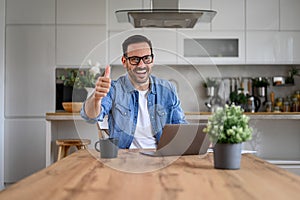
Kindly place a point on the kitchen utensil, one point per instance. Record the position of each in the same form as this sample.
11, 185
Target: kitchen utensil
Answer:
250, 105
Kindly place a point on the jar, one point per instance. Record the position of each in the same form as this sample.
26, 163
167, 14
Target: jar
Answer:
276, 109
286, 106
269, 106
295, 105
279, 103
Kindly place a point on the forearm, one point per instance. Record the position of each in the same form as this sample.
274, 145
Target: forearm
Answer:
92, 107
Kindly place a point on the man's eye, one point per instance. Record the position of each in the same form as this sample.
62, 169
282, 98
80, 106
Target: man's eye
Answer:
135, 59
147, 57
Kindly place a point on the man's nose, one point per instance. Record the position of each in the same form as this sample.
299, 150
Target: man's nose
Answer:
141, 63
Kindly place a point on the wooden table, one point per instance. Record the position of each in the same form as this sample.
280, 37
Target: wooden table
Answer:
83, 175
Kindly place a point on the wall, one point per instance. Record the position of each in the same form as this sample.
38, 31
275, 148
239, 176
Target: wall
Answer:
2, 48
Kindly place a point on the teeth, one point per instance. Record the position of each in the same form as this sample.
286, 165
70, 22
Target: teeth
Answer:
141, 71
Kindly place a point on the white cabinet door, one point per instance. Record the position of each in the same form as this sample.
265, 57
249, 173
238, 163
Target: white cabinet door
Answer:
191, 35
114, 5
289, 15
199, 5
230, 15
164, 44
29, 72
30, 11
24, 148
76, 43
262, 14
273, 47
81, 12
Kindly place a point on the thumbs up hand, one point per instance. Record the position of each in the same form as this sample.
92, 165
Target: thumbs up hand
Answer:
102, 85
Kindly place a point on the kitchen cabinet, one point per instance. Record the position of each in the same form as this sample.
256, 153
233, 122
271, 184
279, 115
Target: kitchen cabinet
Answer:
81, 12
262, 14
30, 12
165, 51
76, 43
24, 148
272, 47
239, 47
289, 15
230, 15
200, 5
114, 5
30, 55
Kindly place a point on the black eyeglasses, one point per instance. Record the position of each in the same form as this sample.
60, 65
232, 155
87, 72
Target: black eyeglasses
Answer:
135, 60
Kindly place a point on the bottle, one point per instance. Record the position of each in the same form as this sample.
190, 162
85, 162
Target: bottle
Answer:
297, 95
272, 98
286, 106
269, 106
295, 105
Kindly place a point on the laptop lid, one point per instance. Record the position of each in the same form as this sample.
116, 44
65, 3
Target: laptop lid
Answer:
182, 139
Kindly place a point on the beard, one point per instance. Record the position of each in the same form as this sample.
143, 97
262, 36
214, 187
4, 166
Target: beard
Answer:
139, 75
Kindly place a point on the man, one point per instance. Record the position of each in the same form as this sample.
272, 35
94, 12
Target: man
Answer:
138, 104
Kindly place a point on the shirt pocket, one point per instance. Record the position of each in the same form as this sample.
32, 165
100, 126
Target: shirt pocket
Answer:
121, 115
161, 118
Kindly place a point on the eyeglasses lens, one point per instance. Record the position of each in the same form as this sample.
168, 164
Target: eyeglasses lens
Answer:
135, 60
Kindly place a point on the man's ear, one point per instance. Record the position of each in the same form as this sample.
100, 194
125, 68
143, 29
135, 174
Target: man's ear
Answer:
123, 60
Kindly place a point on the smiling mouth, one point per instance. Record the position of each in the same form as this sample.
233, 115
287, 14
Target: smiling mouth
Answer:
141, 71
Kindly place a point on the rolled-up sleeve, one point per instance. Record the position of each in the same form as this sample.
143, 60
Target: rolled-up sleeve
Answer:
90, 120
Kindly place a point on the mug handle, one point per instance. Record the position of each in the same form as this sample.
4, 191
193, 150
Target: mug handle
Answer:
96, 146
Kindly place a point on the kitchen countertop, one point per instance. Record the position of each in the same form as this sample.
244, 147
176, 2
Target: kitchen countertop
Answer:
83, 175
189, 115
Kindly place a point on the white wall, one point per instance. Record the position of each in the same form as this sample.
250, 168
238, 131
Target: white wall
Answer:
2, 46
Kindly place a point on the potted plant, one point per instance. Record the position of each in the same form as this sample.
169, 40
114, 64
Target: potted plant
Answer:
78, 82
238, 98
210, 85
292, 72
228, 127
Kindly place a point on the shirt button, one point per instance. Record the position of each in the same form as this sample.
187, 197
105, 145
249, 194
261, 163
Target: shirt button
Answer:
152, 117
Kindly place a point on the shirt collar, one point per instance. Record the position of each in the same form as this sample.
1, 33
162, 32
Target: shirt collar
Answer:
129, 87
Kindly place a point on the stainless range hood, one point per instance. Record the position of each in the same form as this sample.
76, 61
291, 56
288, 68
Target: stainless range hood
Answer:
165, 14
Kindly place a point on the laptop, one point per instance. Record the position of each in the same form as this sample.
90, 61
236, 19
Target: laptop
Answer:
181, 139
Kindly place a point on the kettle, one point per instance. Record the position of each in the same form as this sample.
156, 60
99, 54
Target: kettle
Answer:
253, 104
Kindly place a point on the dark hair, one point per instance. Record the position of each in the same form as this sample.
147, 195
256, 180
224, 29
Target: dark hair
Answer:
135, 39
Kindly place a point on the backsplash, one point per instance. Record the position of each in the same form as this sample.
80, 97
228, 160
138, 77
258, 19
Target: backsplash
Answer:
188, 80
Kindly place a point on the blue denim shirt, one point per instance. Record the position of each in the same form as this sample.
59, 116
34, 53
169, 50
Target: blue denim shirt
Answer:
121, 106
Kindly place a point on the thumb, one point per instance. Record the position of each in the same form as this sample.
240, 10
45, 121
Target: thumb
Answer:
107, 71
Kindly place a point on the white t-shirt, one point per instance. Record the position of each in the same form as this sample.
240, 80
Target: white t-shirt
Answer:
143, 136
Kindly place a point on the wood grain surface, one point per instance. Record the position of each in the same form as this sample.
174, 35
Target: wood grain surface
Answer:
83, 175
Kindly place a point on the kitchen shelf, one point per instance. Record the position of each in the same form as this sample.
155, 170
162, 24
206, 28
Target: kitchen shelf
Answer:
191, 116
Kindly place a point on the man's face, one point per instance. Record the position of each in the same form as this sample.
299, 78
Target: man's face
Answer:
138, 73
